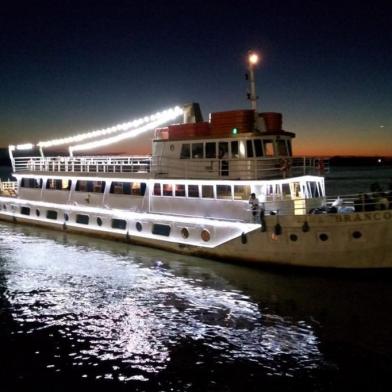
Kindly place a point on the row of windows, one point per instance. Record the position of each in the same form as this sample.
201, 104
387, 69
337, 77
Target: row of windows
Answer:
80, 218
236, 192
122, 188
251, 149
240, 192
120, 224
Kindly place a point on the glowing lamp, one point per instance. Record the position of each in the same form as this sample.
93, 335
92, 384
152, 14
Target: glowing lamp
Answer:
253, 58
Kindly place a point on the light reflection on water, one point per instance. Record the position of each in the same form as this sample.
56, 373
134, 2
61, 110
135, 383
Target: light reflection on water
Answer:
134, 310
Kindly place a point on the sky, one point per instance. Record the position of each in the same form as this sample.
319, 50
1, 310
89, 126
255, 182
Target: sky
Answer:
72, 66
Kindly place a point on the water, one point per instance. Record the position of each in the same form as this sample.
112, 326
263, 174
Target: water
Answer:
78, 312
345, 180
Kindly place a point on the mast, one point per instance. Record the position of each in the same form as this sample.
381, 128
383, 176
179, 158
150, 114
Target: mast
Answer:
253, 59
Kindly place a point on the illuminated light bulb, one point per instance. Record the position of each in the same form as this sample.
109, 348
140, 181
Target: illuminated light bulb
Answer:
253, 58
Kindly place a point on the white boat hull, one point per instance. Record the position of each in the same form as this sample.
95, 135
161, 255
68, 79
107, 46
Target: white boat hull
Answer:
360, 240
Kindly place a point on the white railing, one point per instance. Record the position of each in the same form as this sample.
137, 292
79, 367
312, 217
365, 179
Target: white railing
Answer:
163, 167
95, 164
9, 187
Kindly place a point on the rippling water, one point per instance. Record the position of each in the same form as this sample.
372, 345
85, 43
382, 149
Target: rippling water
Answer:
76, 311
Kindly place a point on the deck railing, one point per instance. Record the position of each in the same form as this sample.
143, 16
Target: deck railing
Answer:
94, 164
9, 187
164, 167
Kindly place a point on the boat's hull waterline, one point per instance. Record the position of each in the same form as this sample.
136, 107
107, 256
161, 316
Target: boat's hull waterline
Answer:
359, 240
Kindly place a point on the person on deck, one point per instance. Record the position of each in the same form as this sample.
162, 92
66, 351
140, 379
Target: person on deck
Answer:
254, 206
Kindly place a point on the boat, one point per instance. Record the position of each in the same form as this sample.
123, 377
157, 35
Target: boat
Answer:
228, 188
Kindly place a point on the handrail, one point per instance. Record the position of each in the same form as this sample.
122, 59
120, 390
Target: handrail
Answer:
94, 164
234, 168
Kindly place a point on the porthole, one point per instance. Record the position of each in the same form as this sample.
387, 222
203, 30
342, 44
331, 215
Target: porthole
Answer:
139, 226
184, 232
293, 237
172, 147
205, 235
323, 237
66, 217
99, 221
37, 212
357, 235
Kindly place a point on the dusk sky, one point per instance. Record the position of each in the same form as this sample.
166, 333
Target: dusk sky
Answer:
68, 67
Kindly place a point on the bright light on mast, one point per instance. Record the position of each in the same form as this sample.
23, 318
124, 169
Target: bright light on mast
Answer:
253, 58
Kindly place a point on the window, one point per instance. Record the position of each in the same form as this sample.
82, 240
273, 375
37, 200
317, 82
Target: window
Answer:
268, 148
211, 150
197, 150
314, 189
120, 224
81, 186
52, 184
193, 190
25, 210
241, 192
82, 219
281, 145
207, 191
120, 188
64, 185
234, 149
180, 190
223, 192
258, 148
249, 148
185, 151
223, 150
167, 190
157, 189
161, 229
286, 190
138, 188
98, 186
90, 186
50, 214
31, 183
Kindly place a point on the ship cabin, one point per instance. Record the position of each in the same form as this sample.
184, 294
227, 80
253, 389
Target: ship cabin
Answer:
233, 145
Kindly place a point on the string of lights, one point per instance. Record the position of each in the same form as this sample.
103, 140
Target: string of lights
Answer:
163, 117
159, 117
